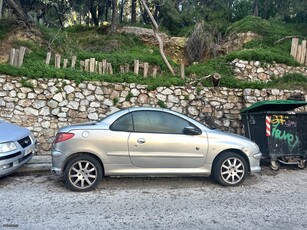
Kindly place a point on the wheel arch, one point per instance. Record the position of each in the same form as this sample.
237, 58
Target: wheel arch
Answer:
80, 154
242, 154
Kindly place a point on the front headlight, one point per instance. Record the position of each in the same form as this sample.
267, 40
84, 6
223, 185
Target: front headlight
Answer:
7, 146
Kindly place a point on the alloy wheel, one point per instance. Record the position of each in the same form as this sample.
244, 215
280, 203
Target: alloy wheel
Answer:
232, 170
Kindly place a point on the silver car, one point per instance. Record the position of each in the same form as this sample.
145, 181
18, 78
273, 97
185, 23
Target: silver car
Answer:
17, 146
150, 142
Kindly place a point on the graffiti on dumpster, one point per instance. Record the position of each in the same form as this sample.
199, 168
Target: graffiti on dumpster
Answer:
281, 131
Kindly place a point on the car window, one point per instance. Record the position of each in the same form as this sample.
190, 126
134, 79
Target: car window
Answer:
158, 122
124, 123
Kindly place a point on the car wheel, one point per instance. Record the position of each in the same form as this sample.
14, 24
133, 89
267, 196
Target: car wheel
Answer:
230, 169
83, 173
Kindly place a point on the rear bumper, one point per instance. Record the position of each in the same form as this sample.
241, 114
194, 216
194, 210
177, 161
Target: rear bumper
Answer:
56, 162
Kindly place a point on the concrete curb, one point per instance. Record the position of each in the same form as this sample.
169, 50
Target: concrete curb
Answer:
37, 165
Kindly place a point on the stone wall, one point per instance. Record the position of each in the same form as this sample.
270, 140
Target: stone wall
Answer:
256, 71
48, 104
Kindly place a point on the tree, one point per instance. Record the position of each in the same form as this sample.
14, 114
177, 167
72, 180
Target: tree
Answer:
133, 11
114, 16
15, 5
93, 9
155, 28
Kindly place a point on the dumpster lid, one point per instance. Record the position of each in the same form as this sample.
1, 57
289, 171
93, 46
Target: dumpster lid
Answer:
274, 105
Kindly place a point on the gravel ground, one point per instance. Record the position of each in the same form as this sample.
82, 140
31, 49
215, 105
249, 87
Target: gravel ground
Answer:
268, 200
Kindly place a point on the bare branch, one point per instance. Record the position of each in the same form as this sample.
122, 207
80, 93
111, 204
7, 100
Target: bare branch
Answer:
156, 33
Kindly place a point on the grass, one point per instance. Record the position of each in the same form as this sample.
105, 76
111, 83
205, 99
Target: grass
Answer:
90, 42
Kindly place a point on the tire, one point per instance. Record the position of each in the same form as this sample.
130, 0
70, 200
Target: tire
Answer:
83, 173
230, 169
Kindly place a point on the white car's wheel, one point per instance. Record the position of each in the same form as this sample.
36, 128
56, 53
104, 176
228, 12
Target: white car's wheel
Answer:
230, 169
83, 173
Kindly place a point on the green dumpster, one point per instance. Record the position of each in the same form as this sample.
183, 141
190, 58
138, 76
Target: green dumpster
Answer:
280, 133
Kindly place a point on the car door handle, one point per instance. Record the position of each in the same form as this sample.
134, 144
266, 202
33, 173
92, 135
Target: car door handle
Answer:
141, 141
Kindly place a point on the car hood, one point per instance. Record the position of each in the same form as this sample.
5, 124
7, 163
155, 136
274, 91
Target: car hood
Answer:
11, 132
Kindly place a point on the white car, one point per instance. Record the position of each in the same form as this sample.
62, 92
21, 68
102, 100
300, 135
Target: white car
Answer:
17, 146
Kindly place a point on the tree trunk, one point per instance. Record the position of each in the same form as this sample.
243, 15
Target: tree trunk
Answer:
93, 13
255, 8
107, 10
59, 16
122, 3
1, 5
19, 12
133, 11
114, 16
155, 28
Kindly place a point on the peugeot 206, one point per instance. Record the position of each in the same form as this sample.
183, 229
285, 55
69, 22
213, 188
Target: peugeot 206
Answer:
150, 142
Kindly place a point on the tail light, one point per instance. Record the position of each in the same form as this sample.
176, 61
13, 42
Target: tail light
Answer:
60, 137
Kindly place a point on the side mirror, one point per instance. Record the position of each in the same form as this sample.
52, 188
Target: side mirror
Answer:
191, 131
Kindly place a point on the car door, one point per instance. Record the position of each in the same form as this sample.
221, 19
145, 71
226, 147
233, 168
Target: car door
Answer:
158, 141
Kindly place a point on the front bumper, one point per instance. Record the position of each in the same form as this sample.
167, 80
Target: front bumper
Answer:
255, 163
13, 161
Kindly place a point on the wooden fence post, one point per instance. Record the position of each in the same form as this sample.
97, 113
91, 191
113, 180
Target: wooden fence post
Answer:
136, 67
122, 69
127, 68
92, 65
303, 52
73, 61
22, 52
145, 73
294, 47
57, 61
109, 67
86, 65
100, 67
65, 62
12, 56
82, 64
96, 66
299, 53
104, 66
48, 58
16, 57
182, 71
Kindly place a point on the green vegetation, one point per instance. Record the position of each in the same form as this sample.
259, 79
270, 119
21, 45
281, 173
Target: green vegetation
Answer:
4, 28
92, 42
263, 55
129, 96
115, 101
290, 81
162, 104
26, 83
